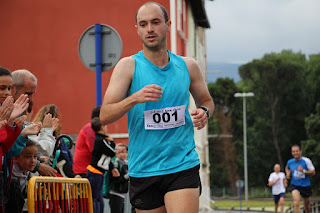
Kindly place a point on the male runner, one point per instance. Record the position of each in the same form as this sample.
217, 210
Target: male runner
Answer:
299, 169
153, 87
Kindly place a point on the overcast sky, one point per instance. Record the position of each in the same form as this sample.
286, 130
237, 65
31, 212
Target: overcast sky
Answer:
243, 30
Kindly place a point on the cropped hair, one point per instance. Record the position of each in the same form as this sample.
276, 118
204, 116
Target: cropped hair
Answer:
165, 13
95, 112
96, 124
18, 77
122, 145
296, 146
30, 143
4, 72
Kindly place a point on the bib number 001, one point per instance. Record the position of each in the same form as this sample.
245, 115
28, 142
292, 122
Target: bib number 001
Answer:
157, 118
166, 118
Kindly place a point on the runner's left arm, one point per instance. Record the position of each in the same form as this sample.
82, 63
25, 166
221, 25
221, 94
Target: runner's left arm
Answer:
200, 94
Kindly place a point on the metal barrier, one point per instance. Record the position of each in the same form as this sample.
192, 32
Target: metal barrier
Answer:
314, 207
56, 194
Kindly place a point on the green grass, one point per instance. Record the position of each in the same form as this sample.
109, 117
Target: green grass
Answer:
227, 204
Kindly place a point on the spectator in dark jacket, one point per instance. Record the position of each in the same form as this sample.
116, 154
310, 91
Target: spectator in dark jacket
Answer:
103, 151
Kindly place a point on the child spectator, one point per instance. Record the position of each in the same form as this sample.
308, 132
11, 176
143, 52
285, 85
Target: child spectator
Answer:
119, 185
22, 165
51, 129
49, 115
103, 151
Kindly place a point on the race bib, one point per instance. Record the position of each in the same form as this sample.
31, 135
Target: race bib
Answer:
166, 118
299, 175
104, 162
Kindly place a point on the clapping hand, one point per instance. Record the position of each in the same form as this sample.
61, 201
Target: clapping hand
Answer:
20, 120
55, 124
47, 121
5, 111
19, 106
50, 122
32, 129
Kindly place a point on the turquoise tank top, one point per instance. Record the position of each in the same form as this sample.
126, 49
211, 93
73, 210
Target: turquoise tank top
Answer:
168, 147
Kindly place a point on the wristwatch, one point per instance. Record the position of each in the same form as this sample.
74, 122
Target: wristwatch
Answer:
206, 110
304, 171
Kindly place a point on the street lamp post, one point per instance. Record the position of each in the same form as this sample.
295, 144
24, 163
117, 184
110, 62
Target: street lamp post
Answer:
244, 95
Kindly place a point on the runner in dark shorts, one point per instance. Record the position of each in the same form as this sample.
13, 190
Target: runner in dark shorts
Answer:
305, 192
276, 198
148, 192
299, 169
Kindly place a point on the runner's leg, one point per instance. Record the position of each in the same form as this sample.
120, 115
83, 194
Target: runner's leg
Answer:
182, 201
281, 204
296, 200
306, 202
275, 207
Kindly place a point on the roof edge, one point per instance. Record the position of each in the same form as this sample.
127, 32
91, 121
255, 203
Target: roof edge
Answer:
199, 13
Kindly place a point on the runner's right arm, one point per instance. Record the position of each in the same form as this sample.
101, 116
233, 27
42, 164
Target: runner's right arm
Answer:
116, 103
288, 173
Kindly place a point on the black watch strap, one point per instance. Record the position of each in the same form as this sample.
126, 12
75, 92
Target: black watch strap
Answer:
205, 109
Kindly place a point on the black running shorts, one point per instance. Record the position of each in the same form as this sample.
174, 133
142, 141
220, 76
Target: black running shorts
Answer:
148, 192
305, 192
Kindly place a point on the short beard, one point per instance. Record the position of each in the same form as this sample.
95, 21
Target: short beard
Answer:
155, 47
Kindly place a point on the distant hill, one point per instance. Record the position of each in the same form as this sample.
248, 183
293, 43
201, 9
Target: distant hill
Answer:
222, 70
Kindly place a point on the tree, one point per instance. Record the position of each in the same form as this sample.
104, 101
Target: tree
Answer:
287, 89
276, 80
311, 147
313, 81
223, 149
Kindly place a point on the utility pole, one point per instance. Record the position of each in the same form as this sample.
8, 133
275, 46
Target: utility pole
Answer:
244, 95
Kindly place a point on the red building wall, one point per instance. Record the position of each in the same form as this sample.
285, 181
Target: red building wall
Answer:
182, 27
43, 36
